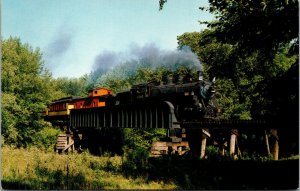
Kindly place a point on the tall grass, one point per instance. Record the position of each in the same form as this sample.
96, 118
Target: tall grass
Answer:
36, 169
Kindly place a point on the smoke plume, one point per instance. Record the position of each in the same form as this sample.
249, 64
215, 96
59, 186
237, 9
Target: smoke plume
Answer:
57, 48
110, 64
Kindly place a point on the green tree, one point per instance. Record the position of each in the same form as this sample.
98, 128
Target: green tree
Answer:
255, 25
267, 29
72, 86
25, 91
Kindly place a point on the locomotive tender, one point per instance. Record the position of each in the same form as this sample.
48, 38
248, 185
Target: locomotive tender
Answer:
148, 105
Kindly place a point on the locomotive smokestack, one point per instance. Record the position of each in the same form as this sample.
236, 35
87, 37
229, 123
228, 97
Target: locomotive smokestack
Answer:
200, 75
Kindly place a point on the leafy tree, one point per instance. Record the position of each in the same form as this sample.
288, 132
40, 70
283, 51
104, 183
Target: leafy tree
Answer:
72, 86
161, 4
10, 112
255, 25
25, 91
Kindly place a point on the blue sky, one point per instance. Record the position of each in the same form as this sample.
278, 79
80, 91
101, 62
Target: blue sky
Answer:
71, 33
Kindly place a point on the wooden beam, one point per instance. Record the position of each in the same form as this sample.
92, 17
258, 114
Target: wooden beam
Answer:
232, 145
275, 144
267, 143
203, 142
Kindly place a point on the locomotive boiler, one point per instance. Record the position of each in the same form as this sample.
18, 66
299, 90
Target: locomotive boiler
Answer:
192, 100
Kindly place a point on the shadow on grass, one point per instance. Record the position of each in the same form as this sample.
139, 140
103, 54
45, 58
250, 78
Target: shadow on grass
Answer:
193, 173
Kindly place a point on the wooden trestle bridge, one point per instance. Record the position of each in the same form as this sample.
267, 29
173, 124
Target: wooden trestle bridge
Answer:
224, 134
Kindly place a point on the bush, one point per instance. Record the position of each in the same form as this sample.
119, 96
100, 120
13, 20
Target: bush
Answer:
46, 138
136, 160
137, 145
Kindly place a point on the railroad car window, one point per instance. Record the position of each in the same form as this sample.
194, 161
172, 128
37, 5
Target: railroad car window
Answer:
96, 92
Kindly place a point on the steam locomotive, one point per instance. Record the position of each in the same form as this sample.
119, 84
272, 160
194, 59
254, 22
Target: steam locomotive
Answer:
148, 105
192, 99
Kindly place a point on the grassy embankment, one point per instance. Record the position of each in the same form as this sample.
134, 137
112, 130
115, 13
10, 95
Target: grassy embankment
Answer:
36, 169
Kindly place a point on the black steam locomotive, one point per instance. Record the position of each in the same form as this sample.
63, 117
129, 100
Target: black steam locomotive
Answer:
192, 99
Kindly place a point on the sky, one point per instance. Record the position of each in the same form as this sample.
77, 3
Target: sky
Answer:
71, 34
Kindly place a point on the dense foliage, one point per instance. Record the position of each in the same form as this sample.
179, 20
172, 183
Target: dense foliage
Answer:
255, 25
26, 89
